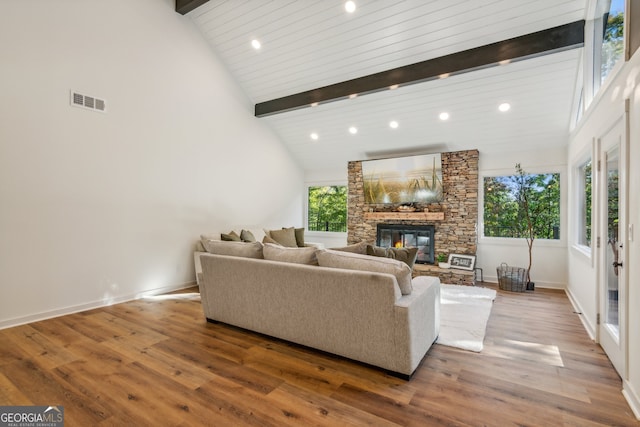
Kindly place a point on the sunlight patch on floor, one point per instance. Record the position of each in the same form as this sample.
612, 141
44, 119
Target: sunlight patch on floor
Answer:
194, 296
521, 350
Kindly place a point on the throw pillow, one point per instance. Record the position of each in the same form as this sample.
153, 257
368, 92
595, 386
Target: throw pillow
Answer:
299, 233
294, 255
230, 237
267, 239
247, 236
377, 251
239, 249
406, 255
286, 237
353, 261
357, 248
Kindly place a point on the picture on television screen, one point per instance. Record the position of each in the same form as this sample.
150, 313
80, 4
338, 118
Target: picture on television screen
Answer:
403, 180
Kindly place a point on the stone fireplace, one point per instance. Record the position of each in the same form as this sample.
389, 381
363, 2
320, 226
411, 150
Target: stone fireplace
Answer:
454, 219
408, 236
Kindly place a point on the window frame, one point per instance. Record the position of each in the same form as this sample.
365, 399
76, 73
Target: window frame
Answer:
307, 185
599, 85
581, 204
517, 241
578, 192
591, 89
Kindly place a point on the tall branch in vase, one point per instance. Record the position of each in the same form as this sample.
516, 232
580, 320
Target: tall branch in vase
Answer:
524, 187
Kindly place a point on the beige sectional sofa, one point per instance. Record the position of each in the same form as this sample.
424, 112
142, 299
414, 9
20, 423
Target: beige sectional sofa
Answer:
334, 307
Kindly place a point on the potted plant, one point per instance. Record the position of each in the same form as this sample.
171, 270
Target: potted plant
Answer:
442, 261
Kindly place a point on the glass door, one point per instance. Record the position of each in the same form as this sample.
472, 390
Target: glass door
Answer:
612, 249
612, 252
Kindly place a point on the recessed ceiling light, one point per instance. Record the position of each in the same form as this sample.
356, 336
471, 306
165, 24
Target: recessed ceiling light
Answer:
393, 87
314, 104
444, 76
393, 124
504, 62
350, 6
256, 44
353, 130
314, 136
444, 116
504, 107
353, 95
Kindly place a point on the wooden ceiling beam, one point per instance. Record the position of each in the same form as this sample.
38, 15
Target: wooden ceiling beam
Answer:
557, 39
185, 6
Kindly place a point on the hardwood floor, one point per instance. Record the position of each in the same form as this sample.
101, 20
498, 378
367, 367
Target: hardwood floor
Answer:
156, 361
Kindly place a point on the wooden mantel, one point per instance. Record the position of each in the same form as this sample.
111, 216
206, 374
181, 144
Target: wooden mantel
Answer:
407, 216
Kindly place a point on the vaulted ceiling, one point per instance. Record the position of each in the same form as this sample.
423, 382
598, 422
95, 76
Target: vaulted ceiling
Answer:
307, 45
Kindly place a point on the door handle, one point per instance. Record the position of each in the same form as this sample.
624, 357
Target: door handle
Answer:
617, 264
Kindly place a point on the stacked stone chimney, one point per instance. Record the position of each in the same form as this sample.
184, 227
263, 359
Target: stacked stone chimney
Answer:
457, 233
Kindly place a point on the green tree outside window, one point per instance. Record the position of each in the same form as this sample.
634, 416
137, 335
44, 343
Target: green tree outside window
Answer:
584, 238
503, 213
327, 208
613, 38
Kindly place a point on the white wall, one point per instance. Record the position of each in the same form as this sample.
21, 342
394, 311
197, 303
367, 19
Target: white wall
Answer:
98, 208
632, 384
606, 109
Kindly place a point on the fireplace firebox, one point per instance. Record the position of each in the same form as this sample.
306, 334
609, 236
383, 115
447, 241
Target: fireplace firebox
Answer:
408, 236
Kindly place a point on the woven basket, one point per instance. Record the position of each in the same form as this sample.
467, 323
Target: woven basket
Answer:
512, 278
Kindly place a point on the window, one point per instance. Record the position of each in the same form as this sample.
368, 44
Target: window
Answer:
584, 203
327, 208
504, 201
608, 39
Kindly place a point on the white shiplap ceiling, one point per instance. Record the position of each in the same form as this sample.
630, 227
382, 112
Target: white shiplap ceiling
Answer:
308, 44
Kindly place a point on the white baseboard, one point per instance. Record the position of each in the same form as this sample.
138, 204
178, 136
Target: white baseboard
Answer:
633, 398
89, 306
539, 284
590, 328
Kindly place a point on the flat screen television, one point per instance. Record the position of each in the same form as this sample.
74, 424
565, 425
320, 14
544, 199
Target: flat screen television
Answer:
403, 180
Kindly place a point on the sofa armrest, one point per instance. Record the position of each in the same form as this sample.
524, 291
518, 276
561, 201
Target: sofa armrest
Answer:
197, 265
418, 317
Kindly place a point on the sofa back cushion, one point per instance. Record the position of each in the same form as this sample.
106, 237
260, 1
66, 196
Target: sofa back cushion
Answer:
240, 249
276, 252
354, 261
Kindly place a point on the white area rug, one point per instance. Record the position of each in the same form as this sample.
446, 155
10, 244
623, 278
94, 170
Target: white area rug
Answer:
464, 312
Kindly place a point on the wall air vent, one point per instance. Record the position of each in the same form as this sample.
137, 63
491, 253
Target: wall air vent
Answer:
88, 102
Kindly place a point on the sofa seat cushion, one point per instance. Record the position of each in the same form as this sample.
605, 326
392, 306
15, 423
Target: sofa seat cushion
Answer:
354, 261
230, 248
276, 252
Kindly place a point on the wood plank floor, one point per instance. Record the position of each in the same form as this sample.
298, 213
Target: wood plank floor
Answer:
156, 361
